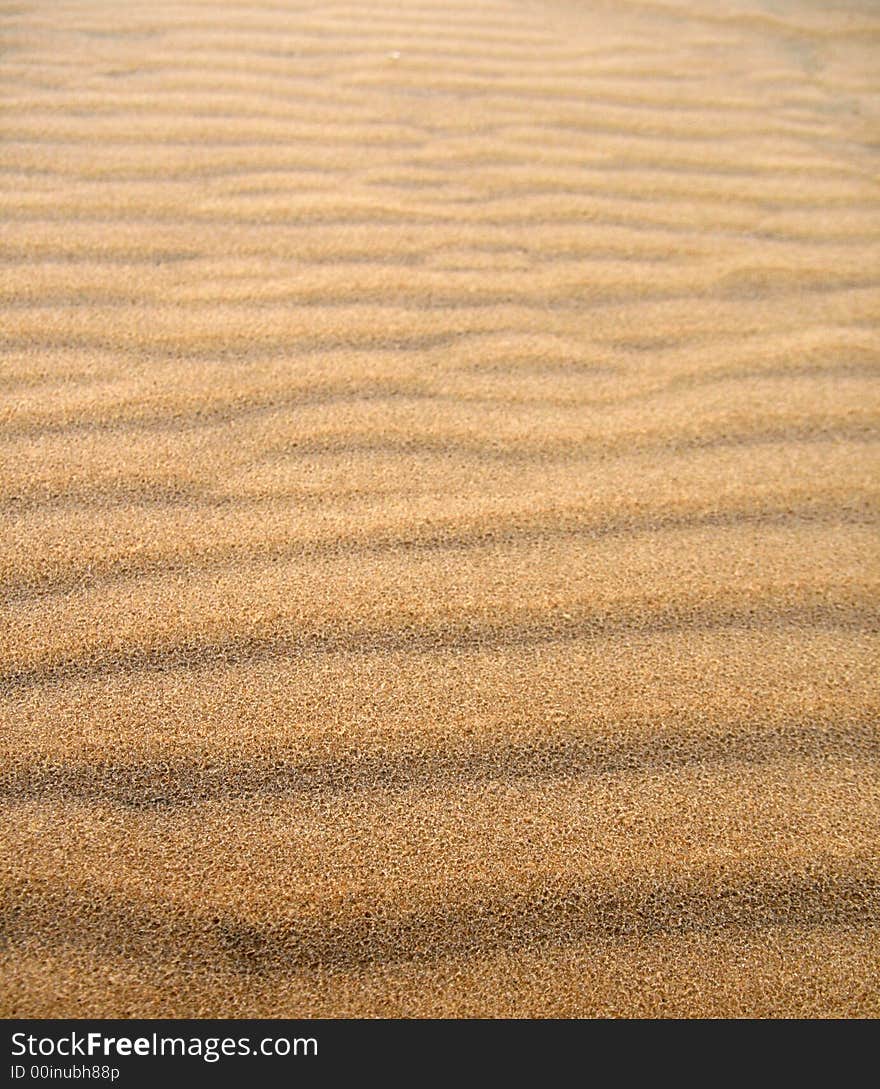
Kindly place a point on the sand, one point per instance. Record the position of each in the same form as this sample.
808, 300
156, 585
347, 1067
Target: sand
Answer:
439, 508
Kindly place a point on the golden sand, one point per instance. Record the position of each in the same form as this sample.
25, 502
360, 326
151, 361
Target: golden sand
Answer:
439, 490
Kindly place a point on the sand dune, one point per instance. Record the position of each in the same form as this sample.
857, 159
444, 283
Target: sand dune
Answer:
440, 489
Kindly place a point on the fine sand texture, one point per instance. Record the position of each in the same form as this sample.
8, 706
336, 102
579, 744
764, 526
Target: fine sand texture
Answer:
439, 508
